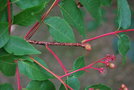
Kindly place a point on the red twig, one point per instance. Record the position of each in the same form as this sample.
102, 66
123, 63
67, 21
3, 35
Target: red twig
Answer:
18, 79
55, 75
107, 34
9, 15
57, 58
107, 59
37, 25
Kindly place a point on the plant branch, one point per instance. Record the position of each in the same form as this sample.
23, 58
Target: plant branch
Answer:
107, 59
56, 43
9, 15
107, 34
55, 75
18, 79
57, 58
30, 33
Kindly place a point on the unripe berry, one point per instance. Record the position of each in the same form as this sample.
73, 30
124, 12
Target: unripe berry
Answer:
87, 47
111, 65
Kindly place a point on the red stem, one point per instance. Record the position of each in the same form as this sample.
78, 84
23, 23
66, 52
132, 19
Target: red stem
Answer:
18, 79
57, 58
83, 68
107, 34
30, 33
9, 16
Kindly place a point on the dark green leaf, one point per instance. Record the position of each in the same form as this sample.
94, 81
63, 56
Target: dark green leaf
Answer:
3, 4
124, 14
60, 30
73, 15
93, 6
3, 53
41, 85
130, 53
123, 45
3, 15
73, 82
28, 16
106, 2
24, 4
19, 46
3, 11
4, 34
7, 65
33, 71
78, 63
6, 86
98, 86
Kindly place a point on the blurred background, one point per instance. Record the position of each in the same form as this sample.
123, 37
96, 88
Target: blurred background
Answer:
100, 47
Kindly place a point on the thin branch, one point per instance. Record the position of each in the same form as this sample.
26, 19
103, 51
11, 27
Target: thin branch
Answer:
57, 58
30, 33
55, 75
107, 59
81, 69
9, 15
56, 43
107, 34
18, 79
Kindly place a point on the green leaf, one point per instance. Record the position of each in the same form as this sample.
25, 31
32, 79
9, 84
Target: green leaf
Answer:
98, 86
6, 86
124, 14
24, 4
130, 53
78, 63
3, 4
73, 82
3, 11
41, 85
93, 6
106, 2
4, 34
60, 29
123, 45
33, 71
19, 46
28, 16
7, 65
3, 53
73, 15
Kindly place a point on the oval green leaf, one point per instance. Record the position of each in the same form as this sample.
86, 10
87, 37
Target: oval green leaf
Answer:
40, 85
33, 71
28, 16
123, 45
73, 15
60, 29
19, 46
124, 14
93, 6
73, 82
